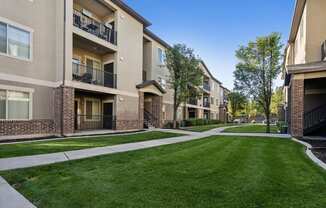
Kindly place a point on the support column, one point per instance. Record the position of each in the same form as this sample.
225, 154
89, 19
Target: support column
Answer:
157, 104
64, 110
141, 110
297, 107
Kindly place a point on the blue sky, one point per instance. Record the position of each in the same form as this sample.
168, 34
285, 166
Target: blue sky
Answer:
216, 28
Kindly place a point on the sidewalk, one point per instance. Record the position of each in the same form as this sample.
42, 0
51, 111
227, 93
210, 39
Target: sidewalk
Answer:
45, 159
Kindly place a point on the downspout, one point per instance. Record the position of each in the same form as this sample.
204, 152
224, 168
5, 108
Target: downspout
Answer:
64, 66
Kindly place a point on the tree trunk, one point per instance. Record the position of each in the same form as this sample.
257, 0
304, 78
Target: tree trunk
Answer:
175, 109
268, 128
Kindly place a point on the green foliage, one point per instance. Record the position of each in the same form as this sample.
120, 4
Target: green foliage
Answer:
237, 102
220, 171
184, 71
200, 122
277, 100
259, 65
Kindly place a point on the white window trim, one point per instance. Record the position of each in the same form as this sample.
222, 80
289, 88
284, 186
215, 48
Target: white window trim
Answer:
159, 58
100, 110
23, 27
30, 91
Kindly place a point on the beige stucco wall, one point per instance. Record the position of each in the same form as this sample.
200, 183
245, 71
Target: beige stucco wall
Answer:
310, 35
45, 18
300, 41
130, 52
316, 29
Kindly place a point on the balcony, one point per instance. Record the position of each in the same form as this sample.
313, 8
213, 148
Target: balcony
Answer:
206, 104
90, 75
192, 101
206, 86
94, 27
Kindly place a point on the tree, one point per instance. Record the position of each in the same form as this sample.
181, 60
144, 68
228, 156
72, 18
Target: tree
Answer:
184, 74
259, 65
237, 102
277, 99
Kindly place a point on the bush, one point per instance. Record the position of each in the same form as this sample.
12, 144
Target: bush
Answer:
200, 122
282, 127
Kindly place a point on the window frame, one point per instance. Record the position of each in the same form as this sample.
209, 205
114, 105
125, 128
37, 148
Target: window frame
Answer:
161, 56
8, 23
99, 105
30, 102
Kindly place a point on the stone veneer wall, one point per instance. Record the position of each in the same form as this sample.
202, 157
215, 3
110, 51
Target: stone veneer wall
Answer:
28, 127
297, 107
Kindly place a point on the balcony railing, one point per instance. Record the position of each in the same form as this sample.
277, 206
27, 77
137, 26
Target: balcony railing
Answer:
100, 121
206, 104
192, 101
94, 27
206, 86
90, 75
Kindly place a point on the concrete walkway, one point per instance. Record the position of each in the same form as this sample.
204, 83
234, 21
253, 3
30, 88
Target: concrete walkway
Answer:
10, 198
45, 159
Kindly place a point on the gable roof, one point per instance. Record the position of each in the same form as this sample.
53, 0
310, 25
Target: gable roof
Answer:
151, 82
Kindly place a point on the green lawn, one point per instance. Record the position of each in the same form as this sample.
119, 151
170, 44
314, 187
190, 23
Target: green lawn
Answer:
34, 148
206, 127
251, 129
215, 172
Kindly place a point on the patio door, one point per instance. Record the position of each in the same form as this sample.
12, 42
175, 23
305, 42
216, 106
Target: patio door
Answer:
109, 75
93, 67
108, 115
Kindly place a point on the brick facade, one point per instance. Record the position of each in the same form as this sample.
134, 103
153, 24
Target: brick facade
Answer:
64, 110
297, 107
28, 127
127, 124
157, 102
141, 110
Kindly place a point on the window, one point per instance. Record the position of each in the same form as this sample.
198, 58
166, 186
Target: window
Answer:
15, 42
212, 100
93, 110
161, 56
162, 82
15, 105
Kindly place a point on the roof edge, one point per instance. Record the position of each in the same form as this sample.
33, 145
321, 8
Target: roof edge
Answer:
151, 82
132, 12
210, 74
157, 38
296, 19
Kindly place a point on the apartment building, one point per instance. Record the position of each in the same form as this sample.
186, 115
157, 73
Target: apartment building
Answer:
305, 70
84, 65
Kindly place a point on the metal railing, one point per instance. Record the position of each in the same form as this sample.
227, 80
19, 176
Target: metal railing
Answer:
192, 101
206, 86
94, 27
315, 117
88, 122
90, 75
206, 104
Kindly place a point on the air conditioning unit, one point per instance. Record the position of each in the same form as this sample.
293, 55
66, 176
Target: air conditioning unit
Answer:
323, 51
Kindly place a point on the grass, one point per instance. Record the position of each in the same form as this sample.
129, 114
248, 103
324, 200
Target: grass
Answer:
206, 127
251, 129
214, 172
34, 148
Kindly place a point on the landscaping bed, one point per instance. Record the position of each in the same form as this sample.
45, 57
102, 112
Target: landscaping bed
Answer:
219, 171
42, 147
